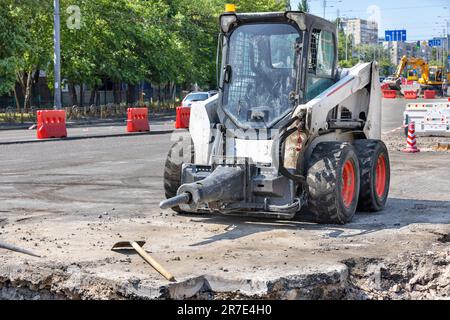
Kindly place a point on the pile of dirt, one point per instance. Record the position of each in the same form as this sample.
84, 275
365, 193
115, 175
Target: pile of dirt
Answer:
415, 276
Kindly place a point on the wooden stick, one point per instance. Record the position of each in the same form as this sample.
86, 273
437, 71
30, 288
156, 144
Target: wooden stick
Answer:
153, 262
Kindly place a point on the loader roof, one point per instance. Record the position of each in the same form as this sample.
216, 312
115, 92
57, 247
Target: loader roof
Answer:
311, 21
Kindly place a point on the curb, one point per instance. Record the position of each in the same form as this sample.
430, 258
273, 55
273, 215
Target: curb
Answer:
151, 133
78, 125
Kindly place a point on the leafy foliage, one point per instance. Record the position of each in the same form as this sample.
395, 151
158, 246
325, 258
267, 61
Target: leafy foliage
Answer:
160, 41
303, 6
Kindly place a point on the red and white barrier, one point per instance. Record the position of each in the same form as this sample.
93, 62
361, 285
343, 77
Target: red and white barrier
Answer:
411, 140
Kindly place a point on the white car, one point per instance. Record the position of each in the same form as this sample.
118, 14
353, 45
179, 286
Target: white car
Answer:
196, 96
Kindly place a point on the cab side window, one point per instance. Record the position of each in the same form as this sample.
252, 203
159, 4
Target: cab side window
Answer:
321, 62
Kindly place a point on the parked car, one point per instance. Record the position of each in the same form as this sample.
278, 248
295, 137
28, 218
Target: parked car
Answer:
197, 96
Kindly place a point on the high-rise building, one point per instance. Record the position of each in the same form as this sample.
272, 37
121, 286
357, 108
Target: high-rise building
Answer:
363, 32
418, 49
398, 49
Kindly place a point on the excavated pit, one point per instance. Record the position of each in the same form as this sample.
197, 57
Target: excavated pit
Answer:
409, 276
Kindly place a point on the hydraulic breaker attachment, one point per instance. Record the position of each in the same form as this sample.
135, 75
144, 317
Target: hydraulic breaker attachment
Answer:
224, 184
184, 198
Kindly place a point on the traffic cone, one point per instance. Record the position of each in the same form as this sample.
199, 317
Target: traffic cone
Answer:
411, 140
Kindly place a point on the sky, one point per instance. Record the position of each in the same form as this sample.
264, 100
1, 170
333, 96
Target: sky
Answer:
423, 19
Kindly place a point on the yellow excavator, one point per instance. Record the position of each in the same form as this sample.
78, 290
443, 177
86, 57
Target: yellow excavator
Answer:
431, 77
416, 63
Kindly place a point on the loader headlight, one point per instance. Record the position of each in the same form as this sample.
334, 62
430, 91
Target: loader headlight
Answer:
227, 21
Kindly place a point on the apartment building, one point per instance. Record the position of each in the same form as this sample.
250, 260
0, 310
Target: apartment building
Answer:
362, 32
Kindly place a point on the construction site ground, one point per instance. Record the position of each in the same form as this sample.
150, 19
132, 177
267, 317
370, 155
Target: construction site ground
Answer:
70, 201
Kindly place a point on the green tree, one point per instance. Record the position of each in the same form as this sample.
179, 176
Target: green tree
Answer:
126, 41
31, 38
346, 50
303, 6
258, 5
13, 41
386, 67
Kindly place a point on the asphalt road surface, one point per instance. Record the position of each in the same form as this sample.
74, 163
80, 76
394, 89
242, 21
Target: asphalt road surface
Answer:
70, 201
81, 132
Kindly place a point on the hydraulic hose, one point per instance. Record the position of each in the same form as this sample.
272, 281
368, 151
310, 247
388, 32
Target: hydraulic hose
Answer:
290, 208
283, 171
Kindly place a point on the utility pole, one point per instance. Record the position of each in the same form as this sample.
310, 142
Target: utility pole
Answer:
338, 22
447, 35
57, 55
444, 56
346, 46
324, 8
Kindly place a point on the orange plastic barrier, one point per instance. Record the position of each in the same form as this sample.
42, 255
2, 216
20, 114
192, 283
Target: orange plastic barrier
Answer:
411, 95
429, 94
51, 124
183, 117
138, 120
389, 94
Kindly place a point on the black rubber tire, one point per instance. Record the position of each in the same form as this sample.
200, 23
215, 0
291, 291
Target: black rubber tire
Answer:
369, 151
181, 152
325, 183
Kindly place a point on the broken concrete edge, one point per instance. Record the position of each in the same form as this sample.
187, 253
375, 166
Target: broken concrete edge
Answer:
103, 136
313, 284
70, 282
407, 276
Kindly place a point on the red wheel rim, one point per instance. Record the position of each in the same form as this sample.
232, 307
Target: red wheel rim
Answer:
348, 183
380, 177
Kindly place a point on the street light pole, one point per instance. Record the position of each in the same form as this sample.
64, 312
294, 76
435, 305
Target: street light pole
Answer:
57, 55
346, 46
443, 51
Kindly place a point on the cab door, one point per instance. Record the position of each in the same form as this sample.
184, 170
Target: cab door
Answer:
322, 60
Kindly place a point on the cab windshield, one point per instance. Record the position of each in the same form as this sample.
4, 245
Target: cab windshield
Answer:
261, 73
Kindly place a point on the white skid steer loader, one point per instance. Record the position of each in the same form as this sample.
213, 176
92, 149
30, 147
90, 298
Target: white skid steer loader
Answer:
288, 130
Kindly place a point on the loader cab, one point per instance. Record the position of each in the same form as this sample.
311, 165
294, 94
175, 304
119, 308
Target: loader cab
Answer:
272, 62
435, 74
